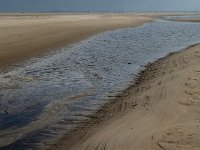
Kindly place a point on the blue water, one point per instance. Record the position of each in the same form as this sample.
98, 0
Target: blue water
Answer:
49, 96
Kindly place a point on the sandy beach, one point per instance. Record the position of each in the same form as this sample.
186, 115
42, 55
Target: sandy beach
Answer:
160, 112
24, 36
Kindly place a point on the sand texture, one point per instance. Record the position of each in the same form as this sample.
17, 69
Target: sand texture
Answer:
24, 36
160, 112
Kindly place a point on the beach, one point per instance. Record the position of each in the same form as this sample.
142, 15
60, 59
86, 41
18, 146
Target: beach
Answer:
23, 36
28, 35
81, 84
161, 111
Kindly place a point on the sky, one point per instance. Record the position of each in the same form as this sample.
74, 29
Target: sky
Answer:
98, 5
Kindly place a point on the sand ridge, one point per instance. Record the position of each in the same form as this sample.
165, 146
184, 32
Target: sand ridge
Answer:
160, 113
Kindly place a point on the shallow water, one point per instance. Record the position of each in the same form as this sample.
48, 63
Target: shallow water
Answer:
47, 97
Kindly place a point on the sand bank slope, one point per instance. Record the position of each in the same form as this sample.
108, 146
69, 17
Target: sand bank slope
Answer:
161, 113
26, 35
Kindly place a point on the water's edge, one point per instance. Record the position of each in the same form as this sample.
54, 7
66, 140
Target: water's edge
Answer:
102, 112
108, 111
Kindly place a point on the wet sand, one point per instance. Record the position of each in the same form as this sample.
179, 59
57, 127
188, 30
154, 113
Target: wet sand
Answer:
160, 112
24, 36
188, 20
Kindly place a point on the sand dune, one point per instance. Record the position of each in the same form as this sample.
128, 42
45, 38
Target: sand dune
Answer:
161, 112
23, 36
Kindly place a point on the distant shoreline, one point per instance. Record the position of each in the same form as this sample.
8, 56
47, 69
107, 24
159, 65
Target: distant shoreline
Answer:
23, 36
28, 35
187, 20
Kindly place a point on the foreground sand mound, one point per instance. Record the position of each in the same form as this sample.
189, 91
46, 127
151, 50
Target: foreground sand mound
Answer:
161, 113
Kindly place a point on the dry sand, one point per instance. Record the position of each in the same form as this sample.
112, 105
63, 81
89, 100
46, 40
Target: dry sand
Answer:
160, 112
23, 36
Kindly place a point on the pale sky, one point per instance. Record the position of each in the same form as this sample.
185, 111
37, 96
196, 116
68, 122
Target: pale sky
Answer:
98, 5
